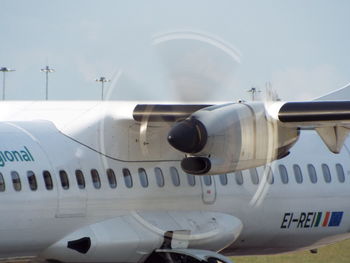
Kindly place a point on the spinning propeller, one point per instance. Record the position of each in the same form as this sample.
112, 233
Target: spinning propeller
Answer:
219, 138
200, 67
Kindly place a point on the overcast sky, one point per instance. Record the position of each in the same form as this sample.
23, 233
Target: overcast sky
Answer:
174, 50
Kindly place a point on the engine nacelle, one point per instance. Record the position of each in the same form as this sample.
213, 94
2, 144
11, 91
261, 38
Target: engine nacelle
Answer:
230, 137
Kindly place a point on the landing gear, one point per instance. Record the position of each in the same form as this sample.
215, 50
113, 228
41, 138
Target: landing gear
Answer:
177, 258
170, 258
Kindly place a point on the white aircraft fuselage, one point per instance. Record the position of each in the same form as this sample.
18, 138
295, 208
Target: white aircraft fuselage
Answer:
127, 220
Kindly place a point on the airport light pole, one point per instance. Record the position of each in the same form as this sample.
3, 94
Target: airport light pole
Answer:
4, 70
253, 91
47, 70
103, 80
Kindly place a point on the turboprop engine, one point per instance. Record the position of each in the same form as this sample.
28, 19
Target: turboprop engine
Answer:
230, 137
236, 136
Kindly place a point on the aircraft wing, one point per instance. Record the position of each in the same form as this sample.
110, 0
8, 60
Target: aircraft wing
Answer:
315, 112
331, 119
165, 112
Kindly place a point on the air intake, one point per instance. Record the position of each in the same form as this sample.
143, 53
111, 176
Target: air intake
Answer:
81, 245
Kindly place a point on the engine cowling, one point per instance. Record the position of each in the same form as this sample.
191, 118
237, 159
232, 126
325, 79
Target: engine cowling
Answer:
230, 137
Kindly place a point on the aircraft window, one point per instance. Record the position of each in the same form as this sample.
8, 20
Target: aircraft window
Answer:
95, 179
127, 178
2, 183
111, 178
223, 179
326, 173
254, 175
340, 172
16, 181
239, 177
64, 179
283, 173
297, 174
270, 179
143, 177
80, 179
48, 180
191, 179
312, 173
174, 176
32, 181
159, 176
207, 180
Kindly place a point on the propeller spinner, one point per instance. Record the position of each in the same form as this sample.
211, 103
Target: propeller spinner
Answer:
188, 136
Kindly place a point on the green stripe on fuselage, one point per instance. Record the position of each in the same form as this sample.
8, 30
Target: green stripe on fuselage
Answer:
318, 219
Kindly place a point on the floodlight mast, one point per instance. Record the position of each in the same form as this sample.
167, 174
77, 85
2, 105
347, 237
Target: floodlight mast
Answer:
103, 80
47, 70
254, 91
4, 70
